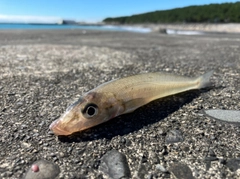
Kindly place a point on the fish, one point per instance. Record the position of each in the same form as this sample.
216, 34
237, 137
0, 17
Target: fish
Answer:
121, 96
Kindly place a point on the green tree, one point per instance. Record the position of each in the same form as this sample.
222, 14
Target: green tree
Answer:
226, 12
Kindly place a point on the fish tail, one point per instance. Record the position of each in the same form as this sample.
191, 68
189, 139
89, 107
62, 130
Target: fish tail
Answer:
204, 80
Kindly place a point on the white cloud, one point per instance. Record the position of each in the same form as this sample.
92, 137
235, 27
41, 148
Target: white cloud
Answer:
28, 19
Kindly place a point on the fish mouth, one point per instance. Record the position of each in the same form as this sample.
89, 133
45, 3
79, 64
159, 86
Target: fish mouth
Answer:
57, 130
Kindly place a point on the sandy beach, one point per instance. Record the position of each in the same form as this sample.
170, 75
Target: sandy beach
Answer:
44, 71
220, 28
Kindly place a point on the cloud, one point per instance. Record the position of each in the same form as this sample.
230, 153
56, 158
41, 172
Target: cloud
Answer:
28, 19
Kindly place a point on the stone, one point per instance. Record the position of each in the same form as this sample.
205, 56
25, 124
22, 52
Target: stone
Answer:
233, 164
174, 136
230, 116
115, 165
42, 169
181, 171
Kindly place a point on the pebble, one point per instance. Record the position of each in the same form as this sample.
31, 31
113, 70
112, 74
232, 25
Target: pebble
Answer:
35, 168
161, 168
208, 161
142, 170
114, 164
174, 136
231, 116
42, 169
233, 164
181, 171
160, 131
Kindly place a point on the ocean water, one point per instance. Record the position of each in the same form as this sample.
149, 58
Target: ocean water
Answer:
86, 27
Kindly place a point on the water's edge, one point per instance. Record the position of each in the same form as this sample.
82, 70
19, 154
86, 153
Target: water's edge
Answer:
171, 29
84, 27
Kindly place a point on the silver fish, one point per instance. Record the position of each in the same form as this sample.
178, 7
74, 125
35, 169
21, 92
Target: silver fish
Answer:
122, 96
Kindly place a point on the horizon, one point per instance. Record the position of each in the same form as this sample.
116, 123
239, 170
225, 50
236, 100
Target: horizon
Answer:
93, 11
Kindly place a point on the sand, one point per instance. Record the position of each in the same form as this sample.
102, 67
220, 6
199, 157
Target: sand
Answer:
43, 71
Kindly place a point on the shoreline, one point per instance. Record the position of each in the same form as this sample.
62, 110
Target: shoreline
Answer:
205, 27
233, 28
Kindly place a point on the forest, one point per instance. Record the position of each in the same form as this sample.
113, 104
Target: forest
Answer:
212, 13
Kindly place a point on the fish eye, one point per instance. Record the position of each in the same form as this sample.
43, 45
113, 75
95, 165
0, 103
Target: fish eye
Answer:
90, 110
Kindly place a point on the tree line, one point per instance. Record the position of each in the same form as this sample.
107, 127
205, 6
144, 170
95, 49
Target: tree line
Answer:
212, 13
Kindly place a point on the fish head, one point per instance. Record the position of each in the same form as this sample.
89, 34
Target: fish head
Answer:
90, 110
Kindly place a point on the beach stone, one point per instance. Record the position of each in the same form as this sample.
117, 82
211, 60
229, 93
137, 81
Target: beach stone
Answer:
230, 116
115, 165
181, 171
174, 136
163, 31
233, 164
142, 168
42, 169
141, 172
161, 168
210, 158
208, 161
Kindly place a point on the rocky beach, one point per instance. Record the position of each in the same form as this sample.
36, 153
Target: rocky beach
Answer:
205, 27
43, 71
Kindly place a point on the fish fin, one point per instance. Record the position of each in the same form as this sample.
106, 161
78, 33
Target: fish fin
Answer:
133, 104
204, 80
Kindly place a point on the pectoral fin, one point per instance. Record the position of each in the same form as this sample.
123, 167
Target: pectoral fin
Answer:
133, 104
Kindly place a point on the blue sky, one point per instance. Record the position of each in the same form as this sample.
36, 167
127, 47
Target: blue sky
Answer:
88, 10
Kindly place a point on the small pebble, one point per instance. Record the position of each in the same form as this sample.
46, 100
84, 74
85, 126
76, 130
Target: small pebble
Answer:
233, 164
174, 136
181, 171
114, 164
161, 168
35, 168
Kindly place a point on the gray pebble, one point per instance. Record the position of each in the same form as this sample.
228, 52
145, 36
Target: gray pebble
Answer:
174, 136
181, 171
142, 168
233, 164
46, 170
231, 116
114, 164
141, 172
161, 168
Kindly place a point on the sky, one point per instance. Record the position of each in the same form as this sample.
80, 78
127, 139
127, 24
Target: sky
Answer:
85, 10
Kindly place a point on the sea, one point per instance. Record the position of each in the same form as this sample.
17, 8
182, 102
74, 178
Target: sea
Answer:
84, 27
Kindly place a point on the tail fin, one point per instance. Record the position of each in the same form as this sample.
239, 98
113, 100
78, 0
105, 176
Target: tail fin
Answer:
204, 80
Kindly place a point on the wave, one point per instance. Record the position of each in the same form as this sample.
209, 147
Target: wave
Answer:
129, 28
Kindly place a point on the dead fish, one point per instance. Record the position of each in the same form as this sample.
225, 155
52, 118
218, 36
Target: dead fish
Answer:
122, 96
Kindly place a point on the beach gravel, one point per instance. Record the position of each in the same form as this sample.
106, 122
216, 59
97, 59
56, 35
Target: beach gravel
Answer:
44, 71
